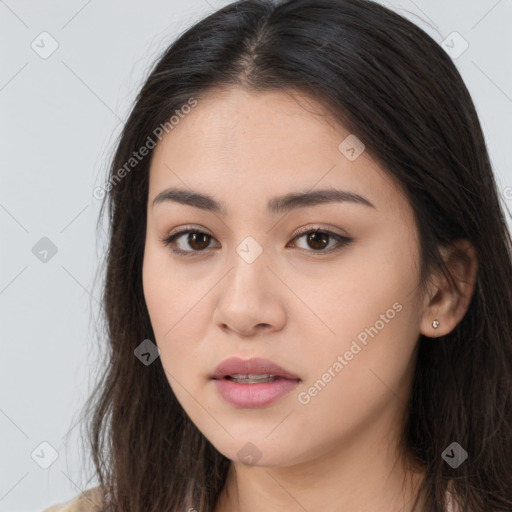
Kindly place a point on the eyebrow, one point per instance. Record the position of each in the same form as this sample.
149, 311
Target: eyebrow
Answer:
276, 205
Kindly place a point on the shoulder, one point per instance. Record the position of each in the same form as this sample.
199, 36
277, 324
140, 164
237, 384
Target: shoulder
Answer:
91, 500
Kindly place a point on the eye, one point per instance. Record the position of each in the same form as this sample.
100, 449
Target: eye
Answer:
318, 239
198, 240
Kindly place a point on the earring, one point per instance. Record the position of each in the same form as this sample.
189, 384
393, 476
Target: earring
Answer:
435, 323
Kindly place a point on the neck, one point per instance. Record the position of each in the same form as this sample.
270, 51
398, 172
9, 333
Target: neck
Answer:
357, 478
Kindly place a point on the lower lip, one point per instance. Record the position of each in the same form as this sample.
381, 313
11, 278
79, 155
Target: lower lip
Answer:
253, 395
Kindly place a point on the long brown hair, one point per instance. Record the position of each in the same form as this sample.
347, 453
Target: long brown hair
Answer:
385, 79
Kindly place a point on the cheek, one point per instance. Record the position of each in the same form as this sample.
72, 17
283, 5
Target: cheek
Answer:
160, 292
371, 311
166, 290
349, 295
363, 372
175, 310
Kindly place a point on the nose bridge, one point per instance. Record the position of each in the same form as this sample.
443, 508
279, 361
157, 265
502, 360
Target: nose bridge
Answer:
246, 299
248, 265
246, 288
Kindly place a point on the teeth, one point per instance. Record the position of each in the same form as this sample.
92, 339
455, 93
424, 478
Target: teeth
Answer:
251, 378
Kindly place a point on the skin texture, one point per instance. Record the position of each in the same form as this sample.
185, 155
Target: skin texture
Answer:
297, 306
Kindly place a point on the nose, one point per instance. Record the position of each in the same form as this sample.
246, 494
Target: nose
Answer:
250, 298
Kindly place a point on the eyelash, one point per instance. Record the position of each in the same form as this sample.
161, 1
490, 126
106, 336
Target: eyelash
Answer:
342, 241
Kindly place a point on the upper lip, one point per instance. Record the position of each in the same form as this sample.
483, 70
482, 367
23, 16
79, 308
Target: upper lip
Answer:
255, 366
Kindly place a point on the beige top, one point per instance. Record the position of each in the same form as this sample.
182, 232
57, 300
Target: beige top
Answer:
91, 501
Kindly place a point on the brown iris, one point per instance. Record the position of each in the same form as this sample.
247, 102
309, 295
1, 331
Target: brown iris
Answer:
193, 238
316, 237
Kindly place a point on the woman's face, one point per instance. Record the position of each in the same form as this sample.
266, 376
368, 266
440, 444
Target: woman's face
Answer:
341, 315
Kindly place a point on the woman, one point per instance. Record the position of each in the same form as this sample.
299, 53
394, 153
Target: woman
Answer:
308, 290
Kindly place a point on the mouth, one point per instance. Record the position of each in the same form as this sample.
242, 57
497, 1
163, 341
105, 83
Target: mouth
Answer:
252, 383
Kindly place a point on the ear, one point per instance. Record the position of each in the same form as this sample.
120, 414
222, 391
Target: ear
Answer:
444, 301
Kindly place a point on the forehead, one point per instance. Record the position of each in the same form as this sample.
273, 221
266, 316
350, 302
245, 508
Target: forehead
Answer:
242, 145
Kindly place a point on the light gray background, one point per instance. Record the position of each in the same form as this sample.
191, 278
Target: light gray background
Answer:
59, 120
